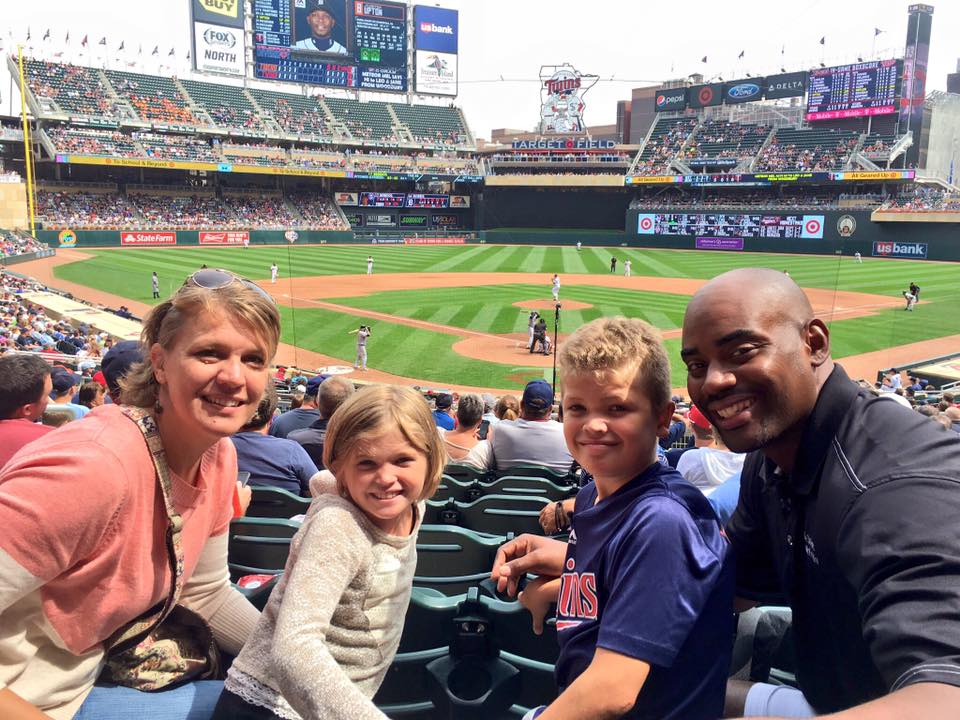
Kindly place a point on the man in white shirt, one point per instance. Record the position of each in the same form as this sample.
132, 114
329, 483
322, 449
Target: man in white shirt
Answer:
709, 463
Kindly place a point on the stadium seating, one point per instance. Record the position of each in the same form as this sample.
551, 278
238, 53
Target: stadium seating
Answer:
80, 209
75, 89
271, 502
808, 149
176, 147
259, 545
665, 140
154, 98
295, 114
495, 514
226, 105
87, 141
431, 124
720, 139
365, 120
452, 559
530, 486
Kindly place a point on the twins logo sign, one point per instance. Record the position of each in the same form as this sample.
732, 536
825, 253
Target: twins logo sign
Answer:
561, 105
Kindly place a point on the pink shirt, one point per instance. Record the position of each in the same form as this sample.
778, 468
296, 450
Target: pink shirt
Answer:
14, 434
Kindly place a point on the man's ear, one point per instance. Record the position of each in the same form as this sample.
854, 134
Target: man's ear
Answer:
817, 338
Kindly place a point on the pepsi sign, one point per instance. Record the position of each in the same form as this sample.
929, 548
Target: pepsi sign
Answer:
741, 91
891, 248
670, 100
435, 29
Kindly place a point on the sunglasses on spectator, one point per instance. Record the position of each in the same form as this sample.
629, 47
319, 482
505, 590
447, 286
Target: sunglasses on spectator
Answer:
216, 278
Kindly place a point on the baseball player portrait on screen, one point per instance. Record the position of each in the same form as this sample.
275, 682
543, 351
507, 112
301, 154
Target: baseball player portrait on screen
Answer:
320, 26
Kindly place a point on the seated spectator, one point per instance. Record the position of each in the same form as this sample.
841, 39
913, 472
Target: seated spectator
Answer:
709, 463
272, 461
116, 363
442, 413
91, 395
24, 393
65, 385
56, 416
331, 395
507, 408
299, 417
85, 550
533, 439
461, 442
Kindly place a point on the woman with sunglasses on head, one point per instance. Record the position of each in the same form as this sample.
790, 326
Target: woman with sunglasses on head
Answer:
105, 522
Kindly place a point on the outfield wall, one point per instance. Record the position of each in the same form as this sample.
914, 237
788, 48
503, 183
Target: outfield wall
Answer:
172, 238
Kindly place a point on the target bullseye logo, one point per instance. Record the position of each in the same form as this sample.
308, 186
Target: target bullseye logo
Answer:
646, 223
705, 95
812, 227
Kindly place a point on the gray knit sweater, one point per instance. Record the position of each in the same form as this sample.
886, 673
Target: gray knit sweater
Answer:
332, 626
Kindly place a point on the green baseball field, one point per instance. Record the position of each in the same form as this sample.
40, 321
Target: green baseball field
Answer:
457, 315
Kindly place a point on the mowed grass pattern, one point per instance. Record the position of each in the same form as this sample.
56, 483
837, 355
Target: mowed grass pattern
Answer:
422, 353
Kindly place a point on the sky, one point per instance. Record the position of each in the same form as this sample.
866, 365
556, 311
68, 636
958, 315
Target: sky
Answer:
504, 43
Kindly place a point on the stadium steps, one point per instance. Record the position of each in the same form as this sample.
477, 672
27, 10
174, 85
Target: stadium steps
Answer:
45, 142
196, 109
265, 117
468, 133
337, 128
120, 103
763, 146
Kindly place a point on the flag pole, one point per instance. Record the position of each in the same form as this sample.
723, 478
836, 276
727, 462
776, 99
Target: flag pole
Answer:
27, 154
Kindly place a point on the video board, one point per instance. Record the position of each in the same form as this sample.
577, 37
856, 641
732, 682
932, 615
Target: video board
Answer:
731, 226
384, 200
858, 90
342, 43
434, 202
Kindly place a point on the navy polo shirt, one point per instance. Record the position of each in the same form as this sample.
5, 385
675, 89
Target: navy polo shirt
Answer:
862, 540
649, 575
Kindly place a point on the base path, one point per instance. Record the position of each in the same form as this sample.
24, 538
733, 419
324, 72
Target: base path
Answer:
510, 349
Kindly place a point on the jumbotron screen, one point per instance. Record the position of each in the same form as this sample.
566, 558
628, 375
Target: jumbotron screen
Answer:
869, 88
342, 43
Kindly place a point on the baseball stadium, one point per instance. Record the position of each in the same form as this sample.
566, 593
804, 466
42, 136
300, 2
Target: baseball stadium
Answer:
316, 150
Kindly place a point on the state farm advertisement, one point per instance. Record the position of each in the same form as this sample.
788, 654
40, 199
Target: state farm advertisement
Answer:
224, 238
148, 238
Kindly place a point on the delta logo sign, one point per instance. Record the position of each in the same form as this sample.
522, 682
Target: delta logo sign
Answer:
893, 249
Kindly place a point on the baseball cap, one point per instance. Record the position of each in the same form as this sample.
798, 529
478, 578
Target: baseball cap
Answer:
117, 361
313, 384
537, 395
444, 400
697, 417
327, 7
63, 381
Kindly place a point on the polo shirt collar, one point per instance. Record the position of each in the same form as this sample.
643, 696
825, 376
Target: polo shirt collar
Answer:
832, 406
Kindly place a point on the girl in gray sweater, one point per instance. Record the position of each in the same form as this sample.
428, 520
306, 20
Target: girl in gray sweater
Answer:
332, 625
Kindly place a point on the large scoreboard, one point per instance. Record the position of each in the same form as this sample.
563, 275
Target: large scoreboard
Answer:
723, 225
343, 43
859, 90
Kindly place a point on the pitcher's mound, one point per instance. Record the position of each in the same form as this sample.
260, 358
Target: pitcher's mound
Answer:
548, 305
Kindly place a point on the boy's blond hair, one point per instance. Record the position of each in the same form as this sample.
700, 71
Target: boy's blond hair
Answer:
375, 410
620, 345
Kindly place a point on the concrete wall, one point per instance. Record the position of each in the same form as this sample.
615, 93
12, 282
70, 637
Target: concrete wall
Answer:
13, 206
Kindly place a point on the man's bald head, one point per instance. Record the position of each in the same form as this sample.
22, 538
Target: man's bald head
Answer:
756, 358
762, 288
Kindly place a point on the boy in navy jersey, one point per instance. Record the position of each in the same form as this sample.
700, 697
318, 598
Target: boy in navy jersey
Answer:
645, 588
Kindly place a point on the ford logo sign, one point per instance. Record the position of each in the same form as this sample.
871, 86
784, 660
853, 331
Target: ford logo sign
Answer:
744, 90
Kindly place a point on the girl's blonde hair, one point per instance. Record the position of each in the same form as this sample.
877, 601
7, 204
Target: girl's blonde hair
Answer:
375, 410
163, 324
507, 408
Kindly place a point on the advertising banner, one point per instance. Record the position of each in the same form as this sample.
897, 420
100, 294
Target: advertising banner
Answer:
701, 96
715, 243
812, 227
741, 91
436, 73
646, 223
787, 85
148, 238
435, 241
347, 199
459, 201
670, 100
224, 238
436, 29
218, 49
219, 12
381, 220
893, 249
444, 220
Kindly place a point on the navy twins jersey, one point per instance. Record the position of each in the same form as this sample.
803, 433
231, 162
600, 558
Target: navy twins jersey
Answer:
648, 574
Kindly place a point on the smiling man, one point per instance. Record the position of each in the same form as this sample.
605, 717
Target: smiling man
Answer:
322, 19
858, 534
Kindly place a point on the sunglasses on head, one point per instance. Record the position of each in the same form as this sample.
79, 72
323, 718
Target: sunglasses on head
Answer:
216, 278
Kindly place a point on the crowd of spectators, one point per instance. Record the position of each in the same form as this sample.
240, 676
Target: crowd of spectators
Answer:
154, 103
269, 212
794, 199
73, 141
15, 243
299, 121
84, 209
76, 89
169, 211
819, 158
721, 139
923, 199
176, 147
663, 146
561, 158
318, 212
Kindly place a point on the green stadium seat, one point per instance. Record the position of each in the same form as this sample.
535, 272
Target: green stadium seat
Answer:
259, 545
452, 559
450, 488
539, 471
497, 514
464, 473
272, 502
526, 485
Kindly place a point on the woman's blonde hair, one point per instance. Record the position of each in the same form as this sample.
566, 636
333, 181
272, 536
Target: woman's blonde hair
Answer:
507, 407
163, 324
375, 410
620, 345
